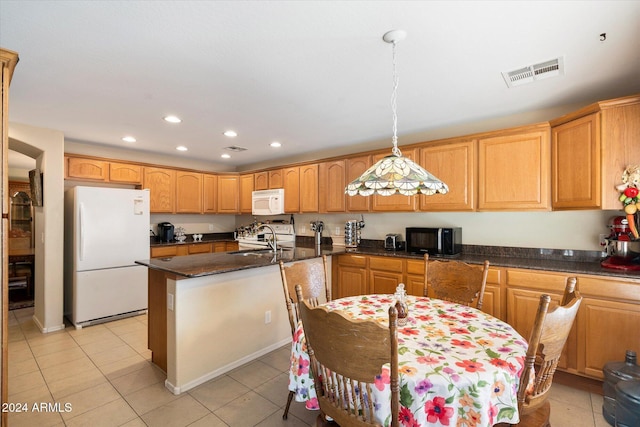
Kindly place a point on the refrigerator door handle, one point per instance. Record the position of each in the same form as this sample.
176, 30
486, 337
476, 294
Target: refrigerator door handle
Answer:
81, 230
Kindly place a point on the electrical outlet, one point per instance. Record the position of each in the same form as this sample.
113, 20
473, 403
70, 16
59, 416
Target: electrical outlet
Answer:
267, 317
210, 227
170, 302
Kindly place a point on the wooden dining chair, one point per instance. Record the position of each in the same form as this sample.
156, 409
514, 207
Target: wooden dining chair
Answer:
548, 337
455, 281
311, 275
346, 357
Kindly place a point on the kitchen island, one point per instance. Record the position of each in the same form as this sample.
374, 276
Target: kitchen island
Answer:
209, 313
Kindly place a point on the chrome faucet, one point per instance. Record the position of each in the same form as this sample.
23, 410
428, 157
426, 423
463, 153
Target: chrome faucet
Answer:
272, 244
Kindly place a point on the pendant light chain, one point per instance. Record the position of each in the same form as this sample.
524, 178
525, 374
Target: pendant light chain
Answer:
394, 107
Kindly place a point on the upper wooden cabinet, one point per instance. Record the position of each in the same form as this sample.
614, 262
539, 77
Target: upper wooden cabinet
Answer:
514, 169
331, 183
246, 188
228, 197
188, 192
87, 169
590, 149
397, 202
356, 166
291, 181
454, 163
125, 173
209, 193
261, 180
276, 178
162, 187
308, 188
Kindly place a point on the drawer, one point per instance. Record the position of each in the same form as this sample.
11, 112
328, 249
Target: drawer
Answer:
200, 248
164, 251
415, 267
386, 264
353, 260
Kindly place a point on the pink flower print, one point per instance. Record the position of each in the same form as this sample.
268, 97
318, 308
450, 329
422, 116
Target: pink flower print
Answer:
312, 404
452, 374
436, 411
382, 379
303, 366
406, 417
424, 317
461, 331
497, 335
492, 413
428, 360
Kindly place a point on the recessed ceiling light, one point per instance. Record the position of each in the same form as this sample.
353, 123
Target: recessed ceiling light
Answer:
173, 119
225, 156
275, 144
181, 148
128, 139
230, 133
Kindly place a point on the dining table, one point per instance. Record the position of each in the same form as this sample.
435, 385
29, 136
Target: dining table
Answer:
458, 366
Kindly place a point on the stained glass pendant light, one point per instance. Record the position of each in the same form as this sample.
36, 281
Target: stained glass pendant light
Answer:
394, 173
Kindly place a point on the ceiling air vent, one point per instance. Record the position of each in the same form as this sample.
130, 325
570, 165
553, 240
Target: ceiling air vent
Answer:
235, 148
531, 73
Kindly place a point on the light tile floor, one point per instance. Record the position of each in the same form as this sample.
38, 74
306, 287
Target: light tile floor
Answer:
104, 375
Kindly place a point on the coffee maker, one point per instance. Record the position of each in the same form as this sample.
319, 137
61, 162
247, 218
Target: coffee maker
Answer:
165, 232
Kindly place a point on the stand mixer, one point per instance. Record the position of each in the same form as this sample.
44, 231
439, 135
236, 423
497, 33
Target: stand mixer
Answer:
623, 251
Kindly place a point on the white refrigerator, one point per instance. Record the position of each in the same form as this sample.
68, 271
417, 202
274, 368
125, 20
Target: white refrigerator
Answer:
106, 230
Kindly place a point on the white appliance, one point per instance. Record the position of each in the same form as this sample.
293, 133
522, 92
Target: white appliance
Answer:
106, 230
285, 237
267, 202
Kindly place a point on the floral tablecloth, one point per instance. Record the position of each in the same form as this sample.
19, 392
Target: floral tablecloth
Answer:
458, 366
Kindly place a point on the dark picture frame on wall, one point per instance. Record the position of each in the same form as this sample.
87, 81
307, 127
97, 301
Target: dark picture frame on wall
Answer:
35, 181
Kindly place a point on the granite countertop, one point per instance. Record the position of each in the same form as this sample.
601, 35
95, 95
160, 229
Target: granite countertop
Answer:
580, 262
568, 261
224, 262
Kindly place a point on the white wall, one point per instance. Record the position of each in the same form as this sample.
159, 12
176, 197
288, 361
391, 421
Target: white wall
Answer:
47, 147
577, 230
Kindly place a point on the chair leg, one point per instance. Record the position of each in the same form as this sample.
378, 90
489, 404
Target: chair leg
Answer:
286, 408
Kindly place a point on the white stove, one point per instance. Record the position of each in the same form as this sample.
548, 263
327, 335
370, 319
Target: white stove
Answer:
285, 237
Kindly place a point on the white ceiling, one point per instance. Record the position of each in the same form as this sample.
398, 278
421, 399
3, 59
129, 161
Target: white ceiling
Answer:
314, 75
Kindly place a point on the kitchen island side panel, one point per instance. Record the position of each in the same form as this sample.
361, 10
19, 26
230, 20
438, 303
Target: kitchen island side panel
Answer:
219, 322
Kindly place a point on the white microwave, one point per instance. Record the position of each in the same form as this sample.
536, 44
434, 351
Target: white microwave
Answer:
267, 202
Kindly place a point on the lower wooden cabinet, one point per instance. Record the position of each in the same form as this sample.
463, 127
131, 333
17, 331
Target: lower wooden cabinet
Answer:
192, 249
385, 274
349, 275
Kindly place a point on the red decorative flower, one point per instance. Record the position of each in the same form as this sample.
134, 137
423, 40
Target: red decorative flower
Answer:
470, 366
461, 331
436, 411
465, 343
508, 366
408, 331
406, 417
424, 318
468, 315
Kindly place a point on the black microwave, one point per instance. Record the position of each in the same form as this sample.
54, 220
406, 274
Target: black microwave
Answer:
434, 241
